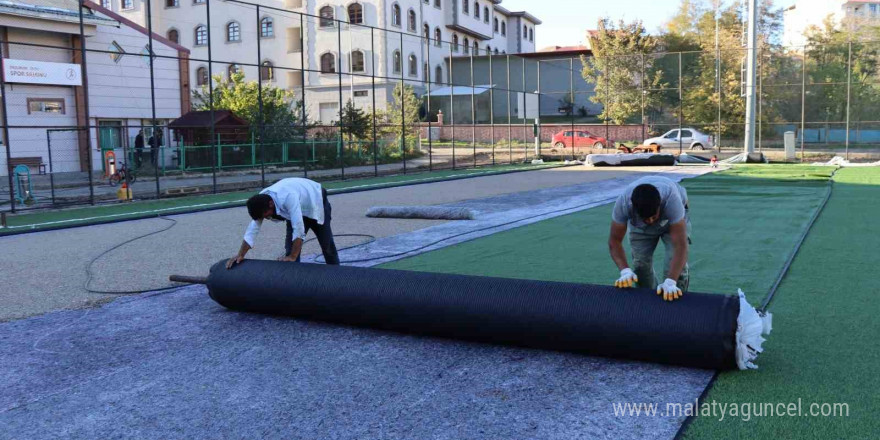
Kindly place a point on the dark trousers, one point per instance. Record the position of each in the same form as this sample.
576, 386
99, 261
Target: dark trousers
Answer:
323, 232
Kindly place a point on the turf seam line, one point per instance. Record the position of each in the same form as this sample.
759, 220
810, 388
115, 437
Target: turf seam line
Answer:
687, 421
158, 213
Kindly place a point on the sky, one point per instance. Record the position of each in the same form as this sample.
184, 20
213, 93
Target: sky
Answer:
564, 21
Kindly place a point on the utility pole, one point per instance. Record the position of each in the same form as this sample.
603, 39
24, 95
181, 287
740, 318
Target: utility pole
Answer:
751, 62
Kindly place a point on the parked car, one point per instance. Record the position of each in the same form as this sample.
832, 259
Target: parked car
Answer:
581, 139
691, 139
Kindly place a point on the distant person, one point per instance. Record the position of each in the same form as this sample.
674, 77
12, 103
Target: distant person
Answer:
303, 204
139, 149
155, 141
654, 208
714, 161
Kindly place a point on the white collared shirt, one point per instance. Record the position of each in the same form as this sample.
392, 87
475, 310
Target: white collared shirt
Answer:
294, 199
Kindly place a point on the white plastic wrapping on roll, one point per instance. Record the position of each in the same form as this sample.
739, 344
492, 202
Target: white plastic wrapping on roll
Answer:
751, 325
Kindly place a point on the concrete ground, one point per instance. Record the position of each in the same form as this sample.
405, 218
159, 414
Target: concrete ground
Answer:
177, 365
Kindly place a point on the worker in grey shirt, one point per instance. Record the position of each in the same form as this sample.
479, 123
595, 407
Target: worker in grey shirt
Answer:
654, 208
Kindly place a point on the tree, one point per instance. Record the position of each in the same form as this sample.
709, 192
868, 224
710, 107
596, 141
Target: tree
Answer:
618, 69
356, 123
402, 116
282, 115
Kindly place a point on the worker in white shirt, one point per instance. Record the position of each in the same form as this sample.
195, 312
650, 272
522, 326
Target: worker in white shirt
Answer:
303, 204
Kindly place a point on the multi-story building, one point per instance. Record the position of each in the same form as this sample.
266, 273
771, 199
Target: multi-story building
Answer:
350, 49
806, 13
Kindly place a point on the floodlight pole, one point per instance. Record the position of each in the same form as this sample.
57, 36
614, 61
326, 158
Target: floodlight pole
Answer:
751, 62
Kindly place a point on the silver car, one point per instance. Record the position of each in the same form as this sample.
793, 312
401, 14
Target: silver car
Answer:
691, 139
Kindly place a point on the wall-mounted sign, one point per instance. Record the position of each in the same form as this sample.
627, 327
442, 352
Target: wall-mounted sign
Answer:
41, 72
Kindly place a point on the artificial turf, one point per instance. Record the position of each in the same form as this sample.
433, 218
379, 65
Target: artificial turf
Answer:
150, 208
746, 222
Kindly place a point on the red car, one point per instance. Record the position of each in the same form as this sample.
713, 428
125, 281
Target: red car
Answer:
582, 139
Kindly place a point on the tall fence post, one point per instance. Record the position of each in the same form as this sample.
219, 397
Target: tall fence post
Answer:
213, 130
373, 80
86, 112
302, 88
848, 95
803, 100
340, 141
6, 143
262, 122
402, 107
158, 138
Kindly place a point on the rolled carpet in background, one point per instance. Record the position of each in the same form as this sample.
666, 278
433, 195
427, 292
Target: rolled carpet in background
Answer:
699, 330
629, 160
421, 212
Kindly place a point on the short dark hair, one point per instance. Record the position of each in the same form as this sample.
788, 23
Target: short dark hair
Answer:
646, 200
257, 205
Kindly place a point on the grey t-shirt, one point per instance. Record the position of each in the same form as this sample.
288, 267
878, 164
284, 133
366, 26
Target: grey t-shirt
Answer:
673, 199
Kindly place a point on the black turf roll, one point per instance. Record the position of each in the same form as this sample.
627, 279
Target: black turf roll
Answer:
698, 330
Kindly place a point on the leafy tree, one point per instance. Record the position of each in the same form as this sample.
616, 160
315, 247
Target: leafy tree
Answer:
619, 71
402, 117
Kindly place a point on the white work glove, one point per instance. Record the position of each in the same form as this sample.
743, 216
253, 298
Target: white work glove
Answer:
669, 290
627, 279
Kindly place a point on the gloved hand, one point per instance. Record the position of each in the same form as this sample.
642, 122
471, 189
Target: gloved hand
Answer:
669, 290
627, 279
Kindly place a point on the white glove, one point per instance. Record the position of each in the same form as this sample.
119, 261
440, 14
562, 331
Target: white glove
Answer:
627, 279
669, 290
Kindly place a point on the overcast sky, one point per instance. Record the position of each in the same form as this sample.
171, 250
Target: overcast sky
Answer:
566, 20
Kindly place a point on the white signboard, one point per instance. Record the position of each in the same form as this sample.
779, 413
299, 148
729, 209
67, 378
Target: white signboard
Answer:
42, 72
527, 107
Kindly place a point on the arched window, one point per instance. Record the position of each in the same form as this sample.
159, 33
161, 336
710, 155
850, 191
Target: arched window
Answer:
267, 71
411, 20
465, 6
395, 65
485, 14
267, 27
488, 49
425, 72
426, 31
413, 65
328, 63
233, 31
476, 48
173, 35
496, 51
201, 35
476, 10
438, 37
233, 69
357, 61
503, 28
525, 32
437, 3
202, 76
455, 42
395, 15
495, 25
355, 13
532, 34
438, 75
466, 45
326, 14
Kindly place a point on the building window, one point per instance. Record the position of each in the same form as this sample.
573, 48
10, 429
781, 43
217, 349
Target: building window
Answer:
437, 4
426, 32
525, 32
46, 105
532, 34
873, 8
503, 28
496, 51
466, 45
476, 10
438, 37
328, 63
355, 13
105, 4
171, 3
495, 25
455, 42
127, 4
425, 71
198, 2
267, 71
395, 65
116, 52
267, 27
476, 48
233, 69
488, 49
361, 93
233, 32
326, 14
201, 37
485, 14
357, 61
413, 65
202, 76
411, 20
395, 15
465, 6
438, 75
173, 35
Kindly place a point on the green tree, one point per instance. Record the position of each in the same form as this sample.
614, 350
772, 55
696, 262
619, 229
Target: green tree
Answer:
402, 117
619, 70
356, 123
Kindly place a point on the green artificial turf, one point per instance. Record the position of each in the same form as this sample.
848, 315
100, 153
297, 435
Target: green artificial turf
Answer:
141, 209
823, 348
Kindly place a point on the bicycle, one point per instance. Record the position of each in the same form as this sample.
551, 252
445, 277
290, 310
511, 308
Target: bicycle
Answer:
121, 173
